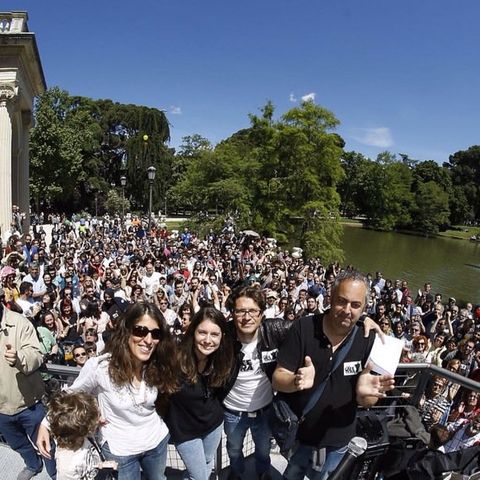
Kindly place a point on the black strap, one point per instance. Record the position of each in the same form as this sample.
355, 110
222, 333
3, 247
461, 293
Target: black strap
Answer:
97, 448
338, 360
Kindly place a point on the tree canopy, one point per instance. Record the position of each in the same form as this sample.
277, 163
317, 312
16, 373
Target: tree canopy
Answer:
81, 146
287, 176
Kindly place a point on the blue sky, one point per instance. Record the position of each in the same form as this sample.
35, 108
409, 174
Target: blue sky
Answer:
400, 76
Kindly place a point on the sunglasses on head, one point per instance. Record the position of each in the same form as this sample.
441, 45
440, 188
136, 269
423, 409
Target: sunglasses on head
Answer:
141, 331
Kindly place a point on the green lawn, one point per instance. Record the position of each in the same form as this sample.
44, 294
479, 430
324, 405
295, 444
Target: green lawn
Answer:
174, 225
462, 232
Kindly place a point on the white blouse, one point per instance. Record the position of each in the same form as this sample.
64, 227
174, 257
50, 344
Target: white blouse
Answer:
133, 425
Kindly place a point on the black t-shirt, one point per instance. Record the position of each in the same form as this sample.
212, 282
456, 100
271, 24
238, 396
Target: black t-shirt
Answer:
193, 411
332, 421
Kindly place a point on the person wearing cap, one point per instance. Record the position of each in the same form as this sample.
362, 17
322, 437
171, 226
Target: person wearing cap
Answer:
7, 277
272, 310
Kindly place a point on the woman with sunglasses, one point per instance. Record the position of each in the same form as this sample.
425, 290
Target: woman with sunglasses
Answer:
139, 362
386, 326
195, 413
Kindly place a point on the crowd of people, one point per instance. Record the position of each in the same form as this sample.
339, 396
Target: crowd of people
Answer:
177, 337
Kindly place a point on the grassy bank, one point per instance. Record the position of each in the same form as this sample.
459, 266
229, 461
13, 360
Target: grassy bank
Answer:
460, 232
174, 224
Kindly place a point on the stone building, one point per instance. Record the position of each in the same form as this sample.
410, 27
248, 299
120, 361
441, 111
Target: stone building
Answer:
21, 79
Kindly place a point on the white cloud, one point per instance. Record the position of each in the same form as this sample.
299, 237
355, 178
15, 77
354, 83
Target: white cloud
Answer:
175, 110
309, 97
374, 137
292, 97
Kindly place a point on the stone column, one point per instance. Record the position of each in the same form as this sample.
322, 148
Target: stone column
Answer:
8, 92
24, 168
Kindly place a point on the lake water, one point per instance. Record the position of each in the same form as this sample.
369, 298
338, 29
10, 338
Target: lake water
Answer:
451, 266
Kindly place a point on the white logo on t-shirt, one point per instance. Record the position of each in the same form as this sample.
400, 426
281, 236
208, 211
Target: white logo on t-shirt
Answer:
352, 368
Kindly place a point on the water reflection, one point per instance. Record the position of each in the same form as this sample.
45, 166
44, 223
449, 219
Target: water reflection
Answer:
451, 266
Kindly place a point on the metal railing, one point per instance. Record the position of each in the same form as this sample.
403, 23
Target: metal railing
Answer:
404, 372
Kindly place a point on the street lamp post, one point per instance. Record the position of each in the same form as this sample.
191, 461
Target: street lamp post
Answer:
151, 177
123, 183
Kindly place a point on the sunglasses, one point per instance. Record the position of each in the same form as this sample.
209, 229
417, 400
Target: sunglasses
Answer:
141, 331
83, 354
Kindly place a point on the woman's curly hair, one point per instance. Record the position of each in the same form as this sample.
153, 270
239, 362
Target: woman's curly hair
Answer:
160, 369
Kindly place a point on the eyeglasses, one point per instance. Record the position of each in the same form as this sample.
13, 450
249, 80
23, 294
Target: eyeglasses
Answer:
83, 354
251, 312
141, 331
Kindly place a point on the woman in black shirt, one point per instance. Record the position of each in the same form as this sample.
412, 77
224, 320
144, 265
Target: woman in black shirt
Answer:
195, 414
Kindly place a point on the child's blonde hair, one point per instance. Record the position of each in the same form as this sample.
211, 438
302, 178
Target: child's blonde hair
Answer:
73, 417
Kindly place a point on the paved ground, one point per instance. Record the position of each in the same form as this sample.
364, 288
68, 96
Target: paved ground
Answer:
11, 464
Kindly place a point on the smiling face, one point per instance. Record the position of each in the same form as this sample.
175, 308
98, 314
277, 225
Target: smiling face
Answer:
208, 336
247, 316
142, 348
49, 321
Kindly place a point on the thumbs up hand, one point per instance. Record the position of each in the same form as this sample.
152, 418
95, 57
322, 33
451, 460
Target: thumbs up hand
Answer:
305, 375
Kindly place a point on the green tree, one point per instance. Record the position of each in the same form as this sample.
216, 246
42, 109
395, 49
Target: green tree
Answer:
81, 146
431, 209
464, 167
384, 193
63, 134
115, 203
279, 177
355, 166
431, 171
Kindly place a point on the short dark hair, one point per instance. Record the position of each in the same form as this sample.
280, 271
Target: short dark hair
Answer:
24, 287
352, 275
255, 293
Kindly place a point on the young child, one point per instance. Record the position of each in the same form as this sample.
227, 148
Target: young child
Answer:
73, 418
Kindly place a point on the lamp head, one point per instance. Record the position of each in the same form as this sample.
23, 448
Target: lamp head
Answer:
151, 173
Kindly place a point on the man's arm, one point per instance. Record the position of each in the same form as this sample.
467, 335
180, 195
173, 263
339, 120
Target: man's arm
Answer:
25, 354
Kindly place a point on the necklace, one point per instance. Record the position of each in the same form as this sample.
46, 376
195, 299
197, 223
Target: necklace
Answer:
138, 396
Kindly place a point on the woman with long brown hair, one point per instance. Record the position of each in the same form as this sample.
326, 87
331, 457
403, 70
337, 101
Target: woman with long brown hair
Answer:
195, 413
138, 365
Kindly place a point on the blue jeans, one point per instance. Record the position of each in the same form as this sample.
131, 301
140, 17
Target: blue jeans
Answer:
152, 462
236, 427
20, 430
198, 454
300, 463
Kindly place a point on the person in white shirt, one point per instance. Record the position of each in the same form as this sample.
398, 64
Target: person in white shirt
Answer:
150, 282
138, 363
74, 418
